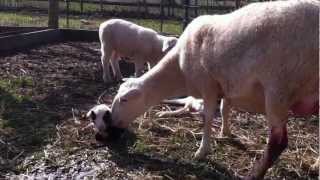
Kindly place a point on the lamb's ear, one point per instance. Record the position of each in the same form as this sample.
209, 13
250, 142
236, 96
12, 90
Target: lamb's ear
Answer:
107, 117
169, 43
130, 95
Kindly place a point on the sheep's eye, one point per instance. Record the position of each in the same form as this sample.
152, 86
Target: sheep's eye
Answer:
123, 100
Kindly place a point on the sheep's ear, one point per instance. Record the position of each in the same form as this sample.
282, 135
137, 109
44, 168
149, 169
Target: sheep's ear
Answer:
130, 95
92, 115
168, 44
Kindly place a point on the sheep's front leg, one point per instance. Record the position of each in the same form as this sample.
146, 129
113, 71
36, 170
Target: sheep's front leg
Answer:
225, 109
105, 56
115, 66
276, 115
208, 114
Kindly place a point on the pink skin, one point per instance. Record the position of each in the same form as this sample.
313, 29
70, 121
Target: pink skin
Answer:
305, 107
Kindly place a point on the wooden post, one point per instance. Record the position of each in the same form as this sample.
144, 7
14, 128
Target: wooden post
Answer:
237, 4
81, 6
67, 13
161, 15
186, 13
101, 6
146, 11
53, 14
196, 8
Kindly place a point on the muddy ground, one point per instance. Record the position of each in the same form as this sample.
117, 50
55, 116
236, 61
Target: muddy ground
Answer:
45, 93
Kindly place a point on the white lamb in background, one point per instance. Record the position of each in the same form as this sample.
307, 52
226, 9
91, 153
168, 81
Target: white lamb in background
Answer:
120, 38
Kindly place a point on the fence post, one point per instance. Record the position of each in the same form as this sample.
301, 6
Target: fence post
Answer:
53, 13
196, 6
101, 6
67, 13
81, 7
161, 15
237, 4
186, 13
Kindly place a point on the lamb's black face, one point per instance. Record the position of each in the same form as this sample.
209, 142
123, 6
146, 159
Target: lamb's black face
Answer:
114, 134
101, 117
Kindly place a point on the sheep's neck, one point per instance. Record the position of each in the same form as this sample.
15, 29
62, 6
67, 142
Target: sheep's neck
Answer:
163, 81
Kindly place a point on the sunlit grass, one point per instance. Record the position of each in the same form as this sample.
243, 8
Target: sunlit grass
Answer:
76, 22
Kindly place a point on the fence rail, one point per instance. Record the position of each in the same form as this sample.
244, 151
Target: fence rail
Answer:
162, 10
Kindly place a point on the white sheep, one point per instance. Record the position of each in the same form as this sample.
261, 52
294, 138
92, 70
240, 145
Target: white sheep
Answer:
120, 38
262, 58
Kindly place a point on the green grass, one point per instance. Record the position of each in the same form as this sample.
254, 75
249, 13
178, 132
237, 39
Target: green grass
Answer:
41, 20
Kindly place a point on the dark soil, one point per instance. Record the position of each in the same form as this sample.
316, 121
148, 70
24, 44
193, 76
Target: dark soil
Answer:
45, 93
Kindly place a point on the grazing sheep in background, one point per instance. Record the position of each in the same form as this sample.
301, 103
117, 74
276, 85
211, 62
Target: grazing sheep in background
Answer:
262, 58
120, 38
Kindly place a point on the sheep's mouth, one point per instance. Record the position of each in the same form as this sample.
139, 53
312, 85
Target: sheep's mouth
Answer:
112, 134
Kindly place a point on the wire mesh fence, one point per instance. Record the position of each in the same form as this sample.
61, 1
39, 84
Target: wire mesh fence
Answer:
162, 15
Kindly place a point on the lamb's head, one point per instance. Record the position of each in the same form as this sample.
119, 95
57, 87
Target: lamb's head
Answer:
168, 43
100, 115
128, 104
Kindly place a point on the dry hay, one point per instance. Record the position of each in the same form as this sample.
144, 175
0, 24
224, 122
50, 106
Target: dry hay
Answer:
157, 148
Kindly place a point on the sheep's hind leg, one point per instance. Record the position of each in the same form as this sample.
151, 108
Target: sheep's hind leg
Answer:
115, 66
105, 56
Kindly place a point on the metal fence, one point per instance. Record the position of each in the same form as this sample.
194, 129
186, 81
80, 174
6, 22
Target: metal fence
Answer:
163, 15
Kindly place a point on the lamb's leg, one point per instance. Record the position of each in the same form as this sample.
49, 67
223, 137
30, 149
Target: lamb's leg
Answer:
225, 109
105, 56
208, 114
177, 112
115, 66
138, 67
276, 115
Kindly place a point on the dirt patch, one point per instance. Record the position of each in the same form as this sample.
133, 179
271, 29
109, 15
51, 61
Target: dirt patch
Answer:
45, 93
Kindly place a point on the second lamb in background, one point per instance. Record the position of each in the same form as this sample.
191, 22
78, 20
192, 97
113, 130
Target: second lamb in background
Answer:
120, 38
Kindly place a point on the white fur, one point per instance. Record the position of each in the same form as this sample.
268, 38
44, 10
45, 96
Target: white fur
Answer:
120, 38
262, 58
195, 105
99, 111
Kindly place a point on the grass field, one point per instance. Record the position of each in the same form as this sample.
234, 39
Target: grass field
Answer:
81, 22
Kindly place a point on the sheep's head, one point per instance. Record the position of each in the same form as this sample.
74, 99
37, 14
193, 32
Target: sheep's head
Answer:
128, 104
100, 115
